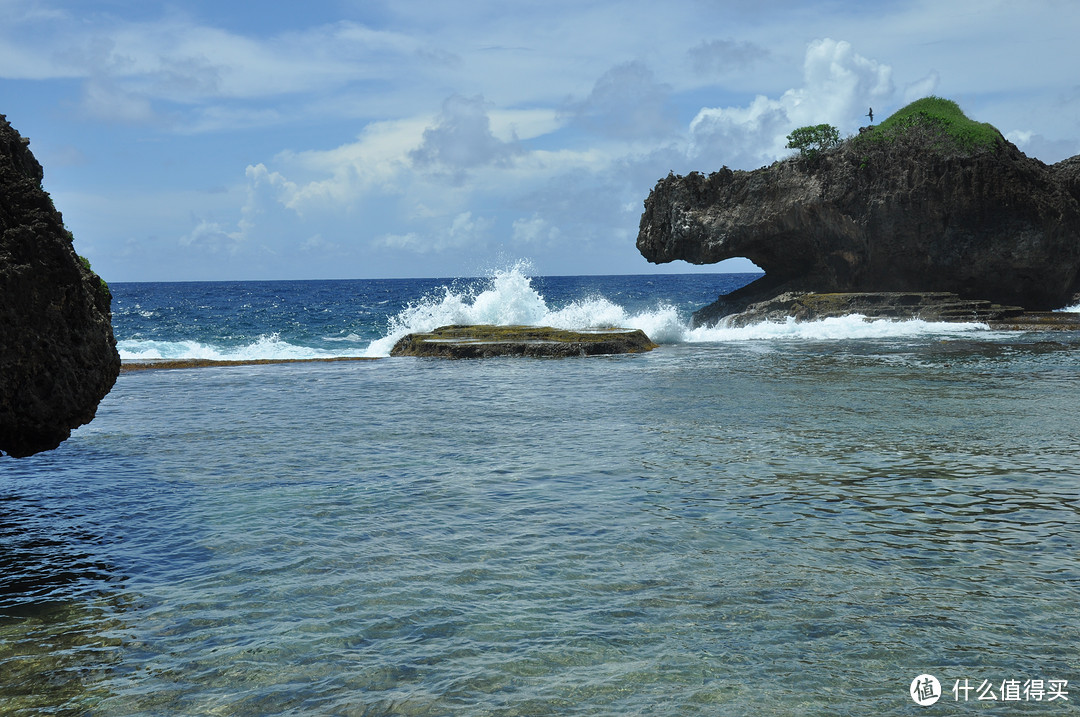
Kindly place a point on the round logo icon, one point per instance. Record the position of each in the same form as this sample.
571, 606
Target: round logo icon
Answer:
925, 690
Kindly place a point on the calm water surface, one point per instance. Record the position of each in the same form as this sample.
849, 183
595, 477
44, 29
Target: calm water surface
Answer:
776, 526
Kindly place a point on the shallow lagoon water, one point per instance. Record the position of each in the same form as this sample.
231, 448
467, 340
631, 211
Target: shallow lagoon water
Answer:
781, 526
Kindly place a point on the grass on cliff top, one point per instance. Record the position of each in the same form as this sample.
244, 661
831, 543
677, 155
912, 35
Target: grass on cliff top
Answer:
938, 118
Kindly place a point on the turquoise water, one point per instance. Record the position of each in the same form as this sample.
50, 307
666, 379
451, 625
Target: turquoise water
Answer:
786, 521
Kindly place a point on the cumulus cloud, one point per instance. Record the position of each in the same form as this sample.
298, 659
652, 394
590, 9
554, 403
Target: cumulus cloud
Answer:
391, 183
838, 86
213, 237
461, 139
626, 102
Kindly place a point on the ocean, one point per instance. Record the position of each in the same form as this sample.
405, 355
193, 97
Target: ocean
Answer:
828, 518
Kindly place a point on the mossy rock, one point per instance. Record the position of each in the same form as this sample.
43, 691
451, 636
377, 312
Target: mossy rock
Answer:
483, 341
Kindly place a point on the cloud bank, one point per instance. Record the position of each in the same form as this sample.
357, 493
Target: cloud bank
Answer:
412, 139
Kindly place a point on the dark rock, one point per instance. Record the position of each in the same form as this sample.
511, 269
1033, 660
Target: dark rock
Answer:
58, 356
899, 216
483, 341
929, 306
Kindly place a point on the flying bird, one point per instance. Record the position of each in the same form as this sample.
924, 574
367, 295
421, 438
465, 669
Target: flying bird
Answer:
870, 114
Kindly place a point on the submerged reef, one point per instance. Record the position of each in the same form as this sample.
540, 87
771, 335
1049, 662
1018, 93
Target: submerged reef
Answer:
58, 356
927, 201
484, 341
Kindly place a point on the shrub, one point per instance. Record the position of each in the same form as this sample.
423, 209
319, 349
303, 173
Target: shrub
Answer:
102, 286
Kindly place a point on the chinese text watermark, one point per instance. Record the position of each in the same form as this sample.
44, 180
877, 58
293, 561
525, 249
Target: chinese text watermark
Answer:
926, 690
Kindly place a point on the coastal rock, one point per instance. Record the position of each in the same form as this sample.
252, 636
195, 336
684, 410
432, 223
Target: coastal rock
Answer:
911, 214
58, 355
929, 306
483, 341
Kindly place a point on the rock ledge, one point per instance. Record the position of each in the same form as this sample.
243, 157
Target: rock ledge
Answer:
897, 305
483, 341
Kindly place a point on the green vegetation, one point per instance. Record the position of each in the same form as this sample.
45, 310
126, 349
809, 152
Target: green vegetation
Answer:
813, 139
104, 287
938, 120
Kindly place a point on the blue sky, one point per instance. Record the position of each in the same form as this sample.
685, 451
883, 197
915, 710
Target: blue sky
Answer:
362, 139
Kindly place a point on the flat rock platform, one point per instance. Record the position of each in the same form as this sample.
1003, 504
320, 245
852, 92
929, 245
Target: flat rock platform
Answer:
483, 341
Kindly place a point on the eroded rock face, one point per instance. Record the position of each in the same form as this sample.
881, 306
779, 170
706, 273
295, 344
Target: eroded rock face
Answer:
899, 217
485, 341
58, 356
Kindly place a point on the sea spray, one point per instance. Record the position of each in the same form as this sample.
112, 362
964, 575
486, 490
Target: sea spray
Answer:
508, 297
853, 326
270, 346
298, 320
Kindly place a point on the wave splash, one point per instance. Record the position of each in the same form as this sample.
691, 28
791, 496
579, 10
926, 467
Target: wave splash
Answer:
268, 346
509, 298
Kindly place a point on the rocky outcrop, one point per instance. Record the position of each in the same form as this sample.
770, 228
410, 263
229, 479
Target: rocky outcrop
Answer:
928, 306
58, 356
899, 216
484, 341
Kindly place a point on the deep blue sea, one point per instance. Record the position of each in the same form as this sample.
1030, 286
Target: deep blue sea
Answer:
783, 519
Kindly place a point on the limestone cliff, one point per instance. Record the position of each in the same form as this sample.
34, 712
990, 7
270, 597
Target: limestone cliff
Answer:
58, 356
909, 212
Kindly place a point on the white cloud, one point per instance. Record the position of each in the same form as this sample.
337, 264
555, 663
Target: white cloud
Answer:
838, 86
558, 118
466, 229
213, 237
461, 139
741, 137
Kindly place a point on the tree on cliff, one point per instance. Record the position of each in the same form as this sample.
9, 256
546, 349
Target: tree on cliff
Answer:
813, 139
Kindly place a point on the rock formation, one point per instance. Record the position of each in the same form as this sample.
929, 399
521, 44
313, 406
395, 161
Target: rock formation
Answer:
58, 356
910, 212
484, 341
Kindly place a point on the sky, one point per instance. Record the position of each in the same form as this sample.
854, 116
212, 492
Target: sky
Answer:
339, 139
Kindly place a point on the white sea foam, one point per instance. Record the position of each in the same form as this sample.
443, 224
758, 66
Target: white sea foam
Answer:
509, 298
854, 326
265, 347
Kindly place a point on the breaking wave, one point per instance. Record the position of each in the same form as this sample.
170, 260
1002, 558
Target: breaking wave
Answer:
370, 328
269, 346
509, 298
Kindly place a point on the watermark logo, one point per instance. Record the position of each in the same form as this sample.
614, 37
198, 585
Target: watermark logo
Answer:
925, 690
